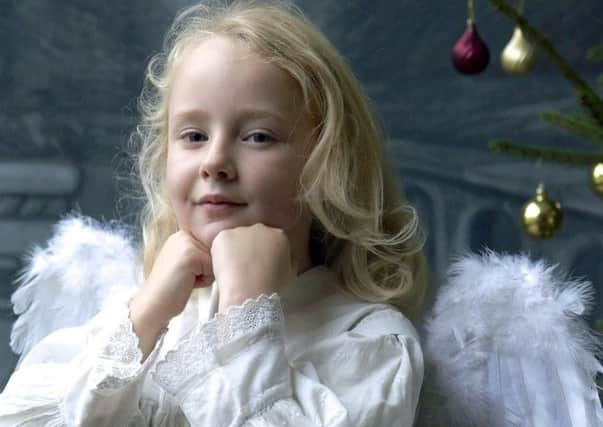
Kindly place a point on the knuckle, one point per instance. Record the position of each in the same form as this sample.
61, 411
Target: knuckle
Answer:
279, 234
220, 236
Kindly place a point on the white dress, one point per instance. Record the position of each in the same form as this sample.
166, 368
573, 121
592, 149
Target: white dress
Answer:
504, 345
310, 356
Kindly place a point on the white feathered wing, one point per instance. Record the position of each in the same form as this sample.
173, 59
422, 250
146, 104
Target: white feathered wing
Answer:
67, 283
506, 345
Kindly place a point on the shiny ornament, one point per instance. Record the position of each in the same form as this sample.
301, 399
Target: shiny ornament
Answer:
470, 54
542, 217
519, 56
596, 178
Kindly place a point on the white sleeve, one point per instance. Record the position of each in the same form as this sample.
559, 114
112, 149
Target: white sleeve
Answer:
233, 371
86, 376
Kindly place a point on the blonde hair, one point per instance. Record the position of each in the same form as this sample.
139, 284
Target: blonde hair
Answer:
365, 230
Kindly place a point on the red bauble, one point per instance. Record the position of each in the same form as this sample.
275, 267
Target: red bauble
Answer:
470, 54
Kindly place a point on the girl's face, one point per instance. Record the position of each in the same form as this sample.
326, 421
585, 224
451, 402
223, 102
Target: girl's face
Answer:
238, 138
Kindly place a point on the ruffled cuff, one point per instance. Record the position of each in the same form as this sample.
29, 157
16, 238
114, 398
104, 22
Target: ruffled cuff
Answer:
218, 341
115, 350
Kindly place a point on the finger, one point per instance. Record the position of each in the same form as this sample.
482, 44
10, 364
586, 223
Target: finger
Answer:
199, 261
203, 281
203, 265
197, 243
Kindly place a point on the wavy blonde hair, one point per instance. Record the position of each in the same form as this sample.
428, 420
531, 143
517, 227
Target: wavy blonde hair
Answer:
363, 228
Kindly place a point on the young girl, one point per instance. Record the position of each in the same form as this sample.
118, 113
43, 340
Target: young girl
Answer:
279, 254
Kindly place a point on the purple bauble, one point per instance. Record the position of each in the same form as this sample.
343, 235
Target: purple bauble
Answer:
470, 54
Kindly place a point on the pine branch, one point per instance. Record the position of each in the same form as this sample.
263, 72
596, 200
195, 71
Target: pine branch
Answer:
576, 125
546, 154
590, 100
586, 94
595, 53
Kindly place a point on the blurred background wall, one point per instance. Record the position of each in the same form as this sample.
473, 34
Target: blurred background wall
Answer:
70, 72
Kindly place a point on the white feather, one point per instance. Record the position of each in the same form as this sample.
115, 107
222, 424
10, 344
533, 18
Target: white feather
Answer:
505, 345
66, 283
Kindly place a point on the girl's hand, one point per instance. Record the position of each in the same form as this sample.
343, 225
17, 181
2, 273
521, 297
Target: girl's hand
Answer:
181, 265
249, 261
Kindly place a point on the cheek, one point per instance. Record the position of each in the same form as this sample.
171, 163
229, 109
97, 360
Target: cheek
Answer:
278, 200
171, 182
180, 172
177, 188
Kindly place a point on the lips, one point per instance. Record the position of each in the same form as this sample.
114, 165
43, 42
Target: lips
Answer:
219, 205
219, 199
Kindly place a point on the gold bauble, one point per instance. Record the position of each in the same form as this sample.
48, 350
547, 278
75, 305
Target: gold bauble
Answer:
596, 178
519, 56
542, 217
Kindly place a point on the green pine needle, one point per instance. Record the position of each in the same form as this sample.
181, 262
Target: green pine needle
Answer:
583, 127
595, 53
546, 154
591, 101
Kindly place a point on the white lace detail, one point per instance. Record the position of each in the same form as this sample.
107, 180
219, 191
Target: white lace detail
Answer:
123, 345
282, 412
197, 354
118, 357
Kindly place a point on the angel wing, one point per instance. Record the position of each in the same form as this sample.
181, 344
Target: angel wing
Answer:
506, 345
66, 283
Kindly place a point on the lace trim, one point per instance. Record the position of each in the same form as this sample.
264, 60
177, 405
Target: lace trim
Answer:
284, 411
197, 354
118, 357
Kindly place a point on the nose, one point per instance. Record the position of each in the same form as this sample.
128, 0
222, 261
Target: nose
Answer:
217, 162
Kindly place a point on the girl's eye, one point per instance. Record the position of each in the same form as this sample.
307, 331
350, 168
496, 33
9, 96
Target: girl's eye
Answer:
260, 138
195, 137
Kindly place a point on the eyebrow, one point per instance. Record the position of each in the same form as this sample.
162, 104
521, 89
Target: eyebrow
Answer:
241, 114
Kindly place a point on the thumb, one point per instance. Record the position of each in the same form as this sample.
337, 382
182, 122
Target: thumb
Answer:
204, 273
203, 280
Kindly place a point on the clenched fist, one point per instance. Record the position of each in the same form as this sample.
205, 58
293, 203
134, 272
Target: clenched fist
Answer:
249, 261
181, 265
245, 262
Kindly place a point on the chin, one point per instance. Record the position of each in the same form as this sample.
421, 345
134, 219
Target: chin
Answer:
206, 233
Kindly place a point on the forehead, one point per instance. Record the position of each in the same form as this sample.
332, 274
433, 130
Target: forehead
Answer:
220, 68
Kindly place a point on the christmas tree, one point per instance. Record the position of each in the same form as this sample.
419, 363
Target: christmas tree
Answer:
587, 124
